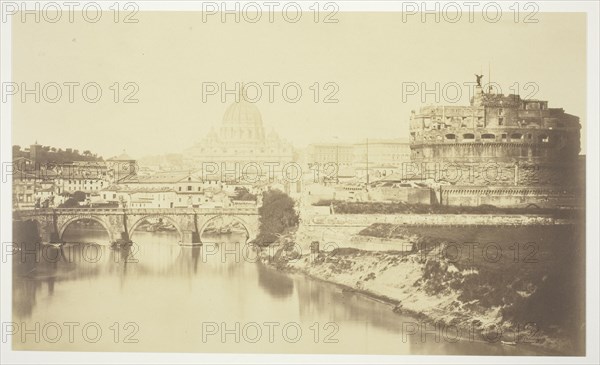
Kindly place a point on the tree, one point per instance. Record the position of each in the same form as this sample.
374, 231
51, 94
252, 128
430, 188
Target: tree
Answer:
276, 215
79, 196
18, 152
69, 203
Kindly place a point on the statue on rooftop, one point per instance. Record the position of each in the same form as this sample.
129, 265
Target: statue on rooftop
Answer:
479, 77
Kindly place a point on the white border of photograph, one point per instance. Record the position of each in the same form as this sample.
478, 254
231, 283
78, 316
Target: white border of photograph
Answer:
7, 356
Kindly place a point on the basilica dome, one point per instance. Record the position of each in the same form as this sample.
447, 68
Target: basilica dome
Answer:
244, 114
242, 121
241, 138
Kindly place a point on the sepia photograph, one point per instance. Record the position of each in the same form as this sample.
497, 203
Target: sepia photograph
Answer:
299, 182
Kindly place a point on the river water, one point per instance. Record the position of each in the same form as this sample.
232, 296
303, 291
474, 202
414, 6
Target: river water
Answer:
215, 298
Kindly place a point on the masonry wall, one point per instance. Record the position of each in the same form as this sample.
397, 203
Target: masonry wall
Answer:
515, 197
409, 195
496, 173
336, 221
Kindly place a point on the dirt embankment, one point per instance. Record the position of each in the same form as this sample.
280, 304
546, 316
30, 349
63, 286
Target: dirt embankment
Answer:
430, 283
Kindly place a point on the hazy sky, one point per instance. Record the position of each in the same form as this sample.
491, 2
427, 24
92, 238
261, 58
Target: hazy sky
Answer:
368, 55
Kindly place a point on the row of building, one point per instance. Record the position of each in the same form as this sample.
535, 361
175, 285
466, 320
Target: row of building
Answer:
35, 180
500, 146
115, 183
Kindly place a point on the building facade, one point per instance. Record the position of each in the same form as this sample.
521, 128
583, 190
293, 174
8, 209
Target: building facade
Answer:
378, 157
173, 189
121, 167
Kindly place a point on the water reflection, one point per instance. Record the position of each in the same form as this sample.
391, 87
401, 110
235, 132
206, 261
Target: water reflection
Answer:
276, 284
179, 296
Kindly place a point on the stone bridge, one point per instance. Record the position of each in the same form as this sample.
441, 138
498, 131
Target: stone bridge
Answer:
122, 223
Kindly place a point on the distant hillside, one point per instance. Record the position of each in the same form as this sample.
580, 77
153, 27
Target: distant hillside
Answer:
48, 154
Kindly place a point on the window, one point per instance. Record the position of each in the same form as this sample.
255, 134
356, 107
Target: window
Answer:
488, 136
114, 196
189, 188
516, 136
468, 136
500, 121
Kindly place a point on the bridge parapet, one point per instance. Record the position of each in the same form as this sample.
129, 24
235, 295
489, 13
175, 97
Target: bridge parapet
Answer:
135, 211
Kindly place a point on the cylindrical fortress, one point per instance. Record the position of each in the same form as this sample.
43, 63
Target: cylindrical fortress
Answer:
497, 140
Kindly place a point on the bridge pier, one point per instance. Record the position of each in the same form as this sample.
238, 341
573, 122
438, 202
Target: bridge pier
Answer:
48, 234
47, 228
54, 238
124, 237
190, 238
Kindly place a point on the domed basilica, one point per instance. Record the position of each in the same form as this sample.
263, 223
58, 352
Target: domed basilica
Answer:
241, 140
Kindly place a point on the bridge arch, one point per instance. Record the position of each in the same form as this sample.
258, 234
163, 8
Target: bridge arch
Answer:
63, 227
250, 232
136, 224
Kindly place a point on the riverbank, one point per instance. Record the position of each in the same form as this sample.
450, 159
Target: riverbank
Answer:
476, 296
